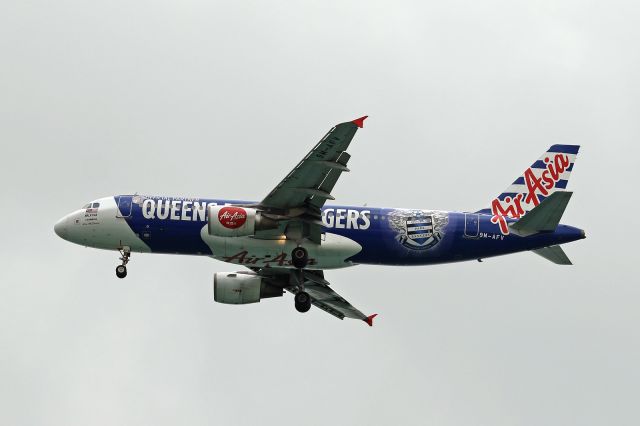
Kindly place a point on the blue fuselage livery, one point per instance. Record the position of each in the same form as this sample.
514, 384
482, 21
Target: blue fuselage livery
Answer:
286, 241
174, 226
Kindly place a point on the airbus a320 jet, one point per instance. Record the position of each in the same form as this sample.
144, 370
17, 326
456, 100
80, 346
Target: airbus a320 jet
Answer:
287, 240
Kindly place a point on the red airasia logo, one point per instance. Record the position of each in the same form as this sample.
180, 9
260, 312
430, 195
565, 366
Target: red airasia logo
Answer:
232, 217
536, 187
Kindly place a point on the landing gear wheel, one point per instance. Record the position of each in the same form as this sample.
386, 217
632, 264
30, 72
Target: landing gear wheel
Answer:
121, 271
125, 254
303, 301
300, 257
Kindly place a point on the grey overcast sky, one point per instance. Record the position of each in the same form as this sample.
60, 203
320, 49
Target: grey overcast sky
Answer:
221, 99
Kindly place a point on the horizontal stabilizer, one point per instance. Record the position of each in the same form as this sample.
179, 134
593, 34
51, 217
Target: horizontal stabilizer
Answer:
554, 254
545, 217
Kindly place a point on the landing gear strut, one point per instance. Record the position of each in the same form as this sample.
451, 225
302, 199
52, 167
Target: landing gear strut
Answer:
121, 270
300, 259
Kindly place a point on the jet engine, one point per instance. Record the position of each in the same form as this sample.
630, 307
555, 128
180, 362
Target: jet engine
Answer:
237, 288
231, 221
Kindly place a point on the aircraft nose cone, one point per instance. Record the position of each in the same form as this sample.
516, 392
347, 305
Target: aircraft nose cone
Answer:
60, 227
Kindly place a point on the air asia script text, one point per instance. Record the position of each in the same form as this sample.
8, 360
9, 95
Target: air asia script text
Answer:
537, 186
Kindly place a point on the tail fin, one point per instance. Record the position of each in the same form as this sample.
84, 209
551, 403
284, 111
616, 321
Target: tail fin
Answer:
550, 173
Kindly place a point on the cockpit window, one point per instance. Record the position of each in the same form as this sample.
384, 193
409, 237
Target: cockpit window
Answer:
96, 205
86, 206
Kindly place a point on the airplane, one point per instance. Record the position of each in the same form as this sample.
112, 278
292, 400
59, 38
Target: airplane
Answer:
287, 240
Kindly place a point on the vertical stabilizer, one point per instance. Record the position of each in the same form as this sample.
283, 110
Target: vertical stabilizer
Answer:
550, 173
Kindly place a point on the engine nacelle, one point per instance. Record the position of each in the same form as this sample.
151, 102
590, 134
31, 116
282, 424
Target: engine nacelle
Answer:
231, 221
237, 288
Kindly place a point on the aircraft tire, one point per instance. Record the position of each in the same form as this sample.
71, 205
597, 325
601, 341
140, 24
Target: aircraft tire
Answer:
303, 301
299, 257
121, 271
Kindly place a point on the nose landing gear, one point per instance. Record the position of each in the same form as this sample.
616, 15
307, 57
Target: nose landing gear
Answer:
121, 270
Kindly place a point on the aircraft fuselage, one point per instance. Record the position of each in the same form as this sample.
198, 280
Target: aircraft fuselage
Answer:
351, 235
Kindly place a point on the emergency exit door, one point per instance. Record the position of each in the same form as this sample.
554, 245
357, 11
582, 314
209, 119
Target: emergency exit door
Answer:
471, 225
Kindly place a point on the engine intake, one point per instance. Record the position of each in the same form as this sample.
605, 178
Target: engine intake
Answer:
238, 288
231, 221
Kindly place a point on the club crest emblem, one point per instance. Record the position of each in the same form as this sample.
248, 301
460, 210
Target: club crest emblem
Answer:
418, 230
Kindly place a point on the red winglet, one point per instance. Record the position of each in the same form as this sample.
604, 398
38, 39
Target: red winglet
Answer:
369, 319
360, 121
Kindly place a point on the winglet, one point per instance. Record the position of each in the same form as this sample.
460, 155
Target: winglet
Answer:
369, 319
360, 121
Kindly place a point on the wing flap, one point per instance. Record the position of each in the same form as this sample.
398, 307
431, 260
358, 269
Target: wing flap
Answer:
322, 295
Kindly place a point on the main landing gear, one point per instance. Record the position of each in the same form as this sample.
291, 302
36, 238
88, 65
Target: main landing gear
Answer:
300, 259
121, 270
302, 301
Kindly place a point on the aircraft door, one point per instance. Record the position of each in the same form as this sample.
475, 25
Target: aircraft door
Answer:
471, 225
124, 206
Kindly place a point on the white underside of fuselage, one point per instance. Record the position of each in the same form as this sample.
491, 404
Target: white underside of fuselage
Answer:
332, 253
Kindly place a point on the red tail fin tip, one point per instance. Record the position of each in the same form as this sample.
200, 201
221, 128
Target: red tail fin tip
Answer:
369, 319
360, 121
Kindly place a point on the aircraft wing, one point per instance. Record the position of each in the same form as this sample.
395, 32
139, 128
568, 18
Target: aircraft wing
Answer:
311, 181
322, 296
302, 193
